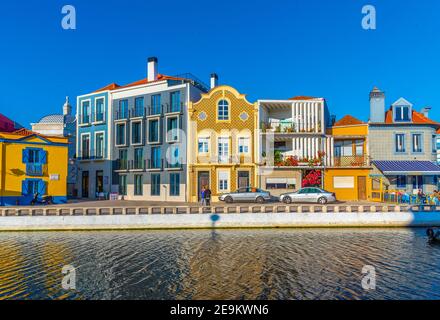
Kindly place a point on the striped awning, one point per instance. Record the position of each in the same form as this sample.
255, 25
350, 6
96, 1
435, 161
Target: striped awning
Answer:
411, 167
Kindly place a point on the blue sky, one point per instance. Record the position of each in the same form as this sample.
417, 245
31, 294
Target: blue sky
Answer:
266, 49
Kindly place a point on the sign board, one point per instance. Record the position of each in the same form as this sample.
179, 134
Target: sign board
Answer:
54, 177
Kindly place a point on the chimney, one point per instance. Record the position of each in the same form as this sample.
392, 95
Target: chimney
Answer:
67, 108
425, 111
377, 106
214, 80
152, 69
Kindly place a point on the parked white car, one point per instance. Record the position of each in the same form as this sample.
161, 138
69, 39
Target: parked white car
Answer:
314, 195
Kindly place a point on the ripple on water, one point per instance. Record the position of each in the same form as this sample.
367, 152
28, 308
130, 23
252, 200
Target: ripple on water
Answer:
226, 264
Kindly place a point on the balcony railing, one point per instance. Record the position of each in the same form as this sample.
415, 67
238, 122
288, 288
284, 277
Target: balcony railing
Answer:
289, 127
137, 164
92, 155
154, 110
99, 117
174, 166
121, 115
350, 161
173, 108
122, 164
155, 164
137, 112
35, 169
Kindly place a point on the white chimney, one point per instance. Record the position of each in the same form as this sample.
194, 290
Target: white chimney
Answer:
214, 80
425, 111
152, 69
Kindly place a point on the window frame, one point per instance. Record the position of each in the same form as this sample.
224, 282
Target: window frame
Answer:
167, 118
86, 134
89, 115
221, 188
222, 118
239, 145
413, 135
174, 192
153, 183
141, 131
96, 110
116, 134
140, 191
103, 144
158, 141
208, 145
396, 136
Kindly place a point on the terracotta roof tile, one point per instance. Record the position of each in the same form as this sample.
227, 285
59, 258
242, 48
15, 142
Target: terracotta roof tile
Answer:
302, 98
114, 86
417, 118
348, 121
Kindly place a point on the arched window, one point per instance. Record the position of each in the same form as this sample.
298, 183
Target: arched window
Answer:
223, 110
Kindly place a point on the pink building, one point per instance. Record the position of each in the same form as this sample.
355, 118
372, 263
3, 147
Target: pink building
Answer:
7, 125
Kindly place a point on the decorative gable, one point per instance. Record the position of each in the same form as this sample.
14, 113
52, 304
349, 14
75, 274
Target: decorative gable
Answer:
402, 111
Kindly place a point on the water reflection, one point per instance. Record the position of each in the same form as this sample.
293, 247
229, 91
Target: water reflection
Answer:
220, 264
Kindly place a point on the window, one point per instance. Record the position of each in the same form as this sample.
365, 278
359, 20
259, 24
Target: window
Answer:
417, 142
172, 129
401, 182
155, 184
156, 159
174, 157
434, 143
344, 148
122, 110
174, 184
34, 155
153, 131
136, 132
223, 110
281, 183
85, 112
138, 185
359, 147
243, 145
99, 141
400, 142
123, 186
155, 104
175, 101
85, 146
343, 182
33, 186
99, 116
401, 114
120, 134
139, 107
223, 149
123, 155
138, 158
223, 181
203, 145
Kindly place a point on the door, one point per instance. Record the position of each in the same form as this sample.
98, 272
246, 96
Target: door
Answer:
362, 188
85, 184
203, 181
99, 182
417, 183
243, 179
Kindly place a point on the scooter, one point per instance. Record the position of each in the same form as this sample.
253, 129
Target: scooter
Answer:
46, 200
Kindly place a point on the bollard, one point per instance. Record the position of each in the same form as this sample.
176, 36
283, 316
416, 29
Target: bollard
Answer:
59, 212
312, 209
397, 208
336, 209
45, 212
324, 209
348, 209
385, 209
361, 209
373, 209
299, 209
138, 211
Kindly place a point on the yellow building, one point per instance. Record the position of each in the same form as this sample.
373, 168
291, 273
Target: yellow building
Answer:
32, 163
348, 174
222, 143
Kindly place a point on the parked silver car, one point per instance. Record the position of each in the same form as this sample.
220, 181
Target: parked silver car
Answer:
246, 195
315, 195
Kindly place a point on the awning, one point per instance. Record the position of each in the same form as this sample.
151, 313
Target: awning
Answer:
414, 167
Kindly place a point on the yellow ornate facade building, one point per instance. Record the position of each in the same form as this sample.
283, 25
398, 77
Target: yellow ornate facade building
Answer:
222, 143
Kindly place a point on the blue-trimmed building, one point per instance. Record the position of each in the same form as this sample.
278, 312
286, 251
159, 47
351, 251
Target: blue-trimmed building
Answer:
94, 164
402, 146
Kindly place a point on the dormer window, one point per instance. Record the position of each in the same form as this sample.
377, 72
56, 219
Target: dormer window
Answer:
402, 114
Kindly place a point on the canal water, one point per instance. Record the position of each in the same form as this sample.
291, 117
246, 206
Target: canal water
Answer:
225, 264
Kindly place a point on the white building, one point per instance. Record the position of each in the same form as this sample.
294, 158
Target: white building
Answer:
61, 125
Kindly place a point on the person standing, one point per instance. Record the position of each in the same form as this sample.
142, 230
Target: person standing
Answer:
208, 196
203, 197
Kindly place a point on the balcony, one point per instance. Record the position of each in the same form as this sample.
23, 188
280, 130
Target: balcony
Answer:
155, 164
174, 166
35, 169
288, 127
137, 164
137, 112
351, 161
121, 115
174, 108
92, 155
121, 165
154, 110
